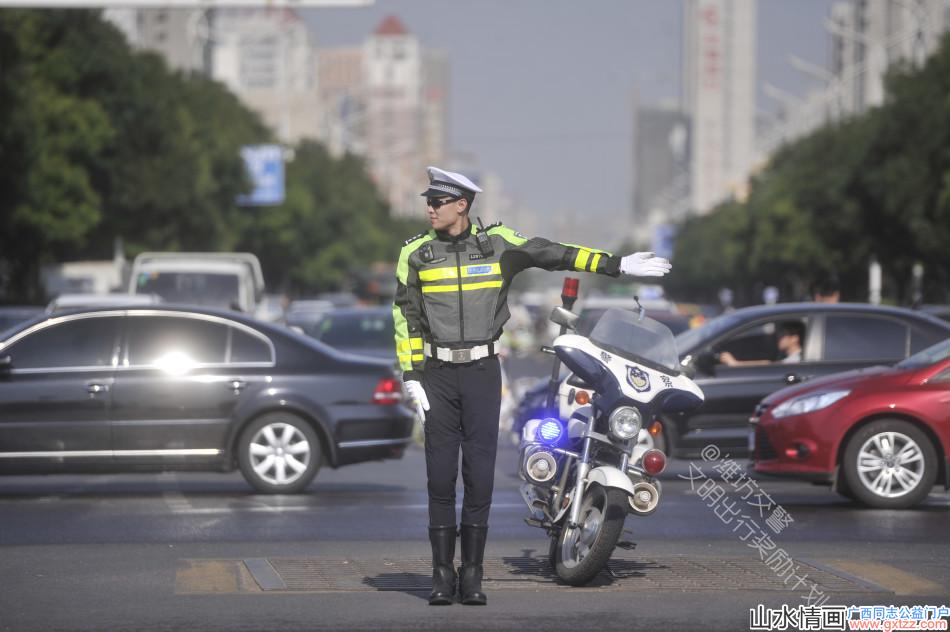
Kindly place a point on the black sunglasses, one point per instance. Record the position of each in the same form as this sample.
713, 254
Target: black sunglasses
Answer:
437, 203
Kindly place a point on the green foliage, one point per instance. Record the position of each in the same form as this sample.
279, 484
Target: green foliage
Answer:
98, 141
872, 187
331, 223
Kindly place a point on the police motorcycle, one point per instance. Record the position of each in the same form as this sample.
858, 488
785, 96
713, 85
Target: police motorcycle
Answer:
583, 475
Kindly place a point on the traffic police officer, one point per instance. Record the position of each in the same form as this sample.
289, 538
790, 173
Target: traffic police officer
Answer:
449, 309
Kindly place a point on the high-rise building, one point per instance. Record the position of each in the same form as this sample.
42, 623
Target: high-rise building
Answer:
265, 57
719, 96
868, 36
661, 168
386, 101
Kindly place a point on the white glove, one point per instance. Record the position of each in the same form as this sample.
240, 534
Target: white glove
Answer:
644, 264
418, 395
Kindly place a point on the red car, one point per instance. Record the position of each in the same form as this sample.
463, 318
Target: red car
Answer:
879, 435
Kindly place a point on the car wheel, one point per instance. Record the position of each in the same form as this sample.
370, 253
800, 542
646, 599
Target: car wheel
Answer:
890, 464
279, 453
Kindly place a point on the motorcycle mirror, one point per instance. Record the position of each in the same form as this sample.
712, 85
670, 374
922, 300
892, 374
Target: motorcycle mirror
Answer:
564, 317
705, 362
688, 367
640, 311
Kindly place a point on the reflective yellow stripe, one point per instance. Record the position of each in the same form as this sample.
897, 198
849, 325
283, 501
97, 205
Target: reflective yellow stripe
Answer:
418, 357
415, 344
437, 274
480, 286
594, 262
485, 269
429, 289
403, 347
580, 262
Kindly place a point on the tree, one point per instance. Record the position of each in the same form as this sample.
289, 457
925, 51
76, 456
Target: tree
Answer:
50, 136
876, 186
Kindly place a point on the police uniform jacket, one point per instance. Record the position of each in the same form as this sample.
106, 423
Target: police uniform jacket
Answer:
452, 291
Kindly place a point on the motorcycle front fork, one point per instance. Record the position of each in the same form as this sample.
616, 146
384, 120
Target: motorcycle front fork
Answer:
583, 467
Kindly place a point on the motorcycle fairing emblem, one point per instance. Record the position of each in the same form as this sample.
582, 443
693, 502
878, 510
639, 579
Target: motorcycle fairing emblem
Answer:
638, 379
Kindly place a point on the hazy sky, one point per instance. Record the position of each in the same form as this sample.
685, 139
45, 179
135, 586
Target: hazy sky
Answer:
542, 90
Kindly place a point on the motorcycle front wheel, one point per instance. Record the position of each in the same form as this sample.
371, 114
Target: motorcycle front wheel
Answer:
578, 554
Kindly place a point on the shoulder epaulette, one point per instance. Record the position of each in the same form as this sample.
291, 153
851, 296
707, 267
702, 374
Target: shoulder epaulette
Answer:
490, 226
414, 237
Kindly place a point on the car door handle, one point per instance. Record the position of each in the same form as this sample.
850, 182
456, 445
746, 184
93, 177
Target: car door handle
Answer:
793, 378
94, 388
236, 385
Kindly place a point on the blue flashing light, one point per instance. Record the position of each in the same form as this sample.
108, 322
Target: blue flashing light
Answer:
550, 430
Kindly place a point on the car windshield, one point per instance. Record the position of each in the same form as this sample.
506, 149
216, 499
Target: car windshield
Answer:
646, 341
354, 331
930, 355
692, 338
196, 288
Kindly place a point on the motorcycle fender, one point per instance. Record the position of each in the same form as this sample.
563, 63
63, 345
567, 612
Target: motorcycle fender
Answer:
607, 476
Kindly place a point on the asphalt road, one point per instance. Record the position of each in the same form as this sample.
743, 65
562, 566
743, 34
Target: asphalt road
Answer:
202, 552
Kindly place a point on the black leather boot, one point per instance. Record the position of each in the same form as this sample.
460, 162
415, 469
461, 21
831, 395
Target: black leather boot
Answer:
470, 573
443, 565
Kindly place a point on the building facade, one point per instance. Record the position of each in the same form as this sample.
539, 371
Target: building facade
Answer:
386, 100
719, 96
265, 56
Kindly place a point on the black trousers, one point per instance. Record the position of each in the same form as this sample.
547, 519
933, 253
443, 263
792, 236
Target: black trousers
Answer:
464, 403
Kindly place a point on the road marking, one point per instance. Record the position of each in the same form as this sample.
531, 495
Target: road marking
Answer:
214, 511
890, 577
174, 499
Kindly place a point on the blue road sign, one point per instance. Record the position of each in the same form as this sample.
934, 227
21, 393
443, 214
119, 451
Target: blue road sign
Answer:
265, 165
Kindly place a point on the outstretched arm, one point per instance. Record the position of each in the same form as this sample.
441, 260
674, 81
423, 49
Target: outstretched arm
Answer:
550, 255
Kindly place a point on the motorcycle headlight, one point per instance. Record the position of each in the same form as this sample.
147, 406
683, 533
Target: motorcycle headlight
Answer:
625, 422
807, 403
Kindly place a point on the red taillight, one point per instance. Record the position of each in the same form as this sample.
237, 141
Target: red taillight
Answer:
569, 289
654, 462
388, 392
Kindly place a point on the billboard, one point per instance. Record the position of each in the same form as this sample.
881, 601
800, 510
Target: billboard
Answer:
265, 165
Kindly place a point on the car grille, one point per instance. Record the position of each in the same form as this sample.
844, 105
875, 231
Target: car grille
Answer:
764, 451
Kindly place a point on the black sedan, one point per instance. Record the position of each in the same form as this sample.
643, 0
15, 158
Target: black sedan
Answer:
360, 330
166, 388
837, 337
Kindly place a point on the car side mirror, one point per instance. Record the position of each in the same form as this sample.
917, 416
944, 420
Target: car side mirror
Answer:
564, 318
705, 362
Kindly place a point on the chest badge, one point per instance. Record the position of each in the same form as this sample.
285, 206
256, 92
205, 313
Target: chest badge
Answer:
638, 379
475, 270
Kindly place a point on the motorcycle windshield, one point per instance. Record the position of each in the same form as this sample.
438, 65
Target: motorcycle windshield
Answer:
646, 341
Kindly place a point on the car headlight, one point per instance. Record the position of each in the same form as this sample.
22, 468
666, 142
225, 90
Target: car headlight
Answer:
625, 423
807, 403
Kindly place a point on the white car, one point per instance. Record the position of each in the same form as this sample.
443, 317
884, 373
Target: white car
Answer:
65, 302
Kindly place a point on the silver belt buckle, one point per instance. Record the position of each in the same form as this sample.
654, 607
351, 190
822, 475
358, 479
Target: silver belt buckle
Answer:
461, 355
